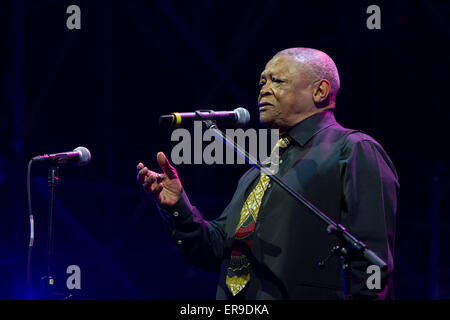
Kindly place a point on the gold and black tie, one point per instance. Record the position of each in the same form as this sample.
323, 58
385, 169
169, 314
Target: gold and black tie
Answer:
238, 272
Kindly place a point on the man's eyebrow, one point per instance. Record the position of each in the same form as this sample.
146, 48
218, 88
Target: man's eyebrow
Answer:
264, 74
271, 74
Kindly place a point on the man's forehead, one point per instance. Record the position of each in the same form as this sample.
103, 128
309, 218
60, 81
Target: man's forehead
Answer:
283, 64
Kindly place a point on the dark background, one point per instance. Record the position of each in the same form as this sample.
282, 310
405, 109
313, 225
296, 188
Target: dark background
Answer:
105, 86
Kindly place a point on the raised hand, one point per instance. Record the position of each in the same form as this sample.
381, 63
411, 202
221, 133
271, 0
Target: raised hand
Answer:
164, 187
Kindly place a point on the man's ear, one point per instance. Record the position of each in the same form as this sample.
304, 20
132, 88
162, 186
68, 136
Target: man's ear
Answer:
321, 93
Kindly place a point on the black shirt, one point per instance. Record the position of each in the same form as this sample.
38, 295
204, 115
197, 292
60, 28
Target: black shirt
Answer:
344, 173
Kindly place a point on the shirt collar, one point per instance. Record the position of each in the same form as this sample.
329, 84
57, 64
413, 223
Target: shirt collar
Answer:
303, 131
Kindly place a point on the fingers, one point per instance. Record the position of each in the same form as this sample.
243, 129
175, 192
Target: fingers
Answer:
155, 183
150, 177
142, 173
166, 166
151, 181
156, 189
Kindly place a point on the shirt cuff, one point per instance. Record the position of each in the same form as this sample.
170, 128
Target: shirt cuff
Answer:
181, 211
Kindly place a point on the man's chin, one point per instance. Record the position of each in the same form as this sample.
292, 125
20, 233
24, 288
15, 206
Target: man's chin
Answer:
265, 121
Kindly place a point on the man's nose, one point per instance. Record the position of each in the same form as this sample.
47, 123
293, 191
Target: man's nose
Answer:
265, 90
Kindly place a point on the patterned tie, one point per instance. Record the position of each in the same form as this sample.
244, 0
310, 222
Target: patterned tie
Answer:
238, 272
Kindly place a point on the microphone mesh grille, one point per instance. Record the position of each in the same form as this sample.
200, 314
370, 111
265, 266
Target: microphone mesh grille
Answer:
85, 156
243, 116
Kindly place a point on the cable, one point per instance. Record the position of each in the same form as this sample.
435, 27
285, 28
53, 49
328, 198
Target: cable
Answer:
31, 242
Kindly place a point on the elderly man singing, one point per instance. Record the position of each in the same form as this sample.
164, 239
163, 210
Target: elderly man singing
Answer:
265, 244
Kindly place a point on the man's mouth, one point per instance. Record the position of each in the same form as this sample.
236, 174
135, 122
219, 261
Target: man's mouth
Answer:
264, 106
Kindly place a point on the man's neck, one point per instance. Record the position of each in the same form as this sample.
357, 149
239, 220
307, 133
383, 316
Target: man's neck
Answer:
284, 131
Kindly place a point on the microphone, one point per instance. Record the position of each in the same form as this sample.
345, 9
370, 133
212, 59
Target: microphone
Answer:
79, 156
239, 116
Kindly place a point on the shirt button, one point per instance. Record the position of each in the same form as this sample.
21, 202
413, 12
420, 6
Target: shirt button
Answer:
175, 214
269, 185
281, 161
179, 242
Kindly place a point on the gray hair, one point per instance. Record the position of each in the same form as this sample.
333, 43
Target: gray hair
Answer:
319, 66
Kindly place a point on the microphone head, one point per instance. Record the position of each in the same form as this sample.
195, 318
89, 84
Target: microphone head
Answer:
85, 156
243, 117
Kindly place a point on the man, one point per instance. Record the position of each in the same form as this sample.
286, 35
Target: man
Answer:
265, 244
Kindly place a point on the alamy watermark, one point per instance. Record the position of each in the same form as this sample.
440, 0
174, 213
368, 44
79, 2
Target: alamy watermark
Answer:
258, 145
74, 20
374, 280
374, 20
74, 280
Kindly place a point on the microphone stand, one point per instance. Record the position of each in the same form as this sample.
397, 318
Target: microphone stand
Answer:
53, 178
352, 249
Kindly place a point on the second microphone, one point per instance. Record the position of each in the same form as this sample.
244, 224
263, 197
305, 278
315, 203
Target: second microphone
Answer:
240, 117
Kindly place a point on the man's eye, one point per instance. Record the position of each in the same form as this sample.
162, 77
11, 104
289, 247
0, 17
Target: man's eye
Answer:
276, 80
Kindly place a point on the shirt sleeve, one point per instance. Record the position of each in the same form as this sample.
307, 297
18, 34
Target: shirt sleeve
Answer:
370, 185
201, 242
